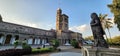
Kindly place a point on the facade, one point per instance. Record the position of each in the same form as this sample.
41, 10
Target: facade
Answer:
63, 34
10, 32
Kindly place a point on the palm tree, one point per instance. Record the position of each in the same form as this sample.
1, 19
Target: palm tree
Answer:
106, 24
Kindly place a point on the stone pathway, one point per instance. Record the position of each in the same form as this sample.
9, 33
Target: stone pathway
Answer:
65, 51
66, 54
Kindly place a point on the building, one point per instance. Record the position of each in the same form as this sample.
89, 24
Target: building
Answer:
9, 32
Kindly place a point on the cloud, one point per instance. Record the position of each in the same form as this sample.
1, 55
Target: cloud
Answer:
81, 28
17, 20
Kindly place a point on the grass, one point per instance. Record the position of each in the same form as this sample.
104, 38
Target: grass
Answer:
42, 50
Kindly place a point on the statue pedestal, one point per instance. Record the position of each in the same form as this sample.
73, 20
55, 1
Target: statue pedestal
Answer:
103, 52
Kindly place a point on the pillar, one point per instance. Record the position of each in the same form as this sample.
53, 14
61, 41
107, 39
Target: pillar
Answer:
38, 42
12, 40
43, 41
2, 39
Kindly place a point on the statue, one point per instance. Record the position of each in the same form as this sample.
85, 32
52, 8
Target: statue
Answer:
98, 32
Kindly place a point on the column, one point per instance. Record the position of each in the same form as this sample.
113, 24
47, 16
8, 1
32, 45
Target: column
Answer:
12, 40
1, 39
4, 38
38, 42
43, 41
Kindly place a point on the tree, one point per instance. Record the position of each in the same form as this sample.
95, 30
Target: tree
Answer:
106, 24
16, 43
115, 41
74, 43
115, 9
55, 43
89, 38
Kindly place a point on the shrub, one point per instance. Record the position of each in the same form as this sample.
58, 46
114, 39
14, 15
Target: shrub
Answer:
25, 45
16, 43
55, 43
74, 43
42, 50
38, 48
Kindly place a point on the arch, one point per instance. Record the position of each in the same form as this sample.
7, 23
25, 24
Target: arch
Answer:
8, 38
16, 37
47, 41
33, 41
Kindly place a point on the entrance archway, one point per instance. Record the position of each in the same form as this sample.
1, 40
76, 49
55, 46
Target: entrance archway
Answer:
47, 40
16, 37
8, 38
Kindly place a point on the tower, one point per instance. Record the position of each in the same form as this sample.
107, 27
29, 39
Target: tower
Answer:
61, 26
58, 19
1, 19
61, 21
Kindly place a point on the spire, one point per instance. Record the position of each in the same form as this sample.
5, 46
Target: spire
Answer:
1, 18
59, 3
59, 9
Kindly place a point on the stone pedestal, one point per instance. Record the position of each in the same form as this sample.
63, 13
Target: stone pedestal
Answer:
103, 52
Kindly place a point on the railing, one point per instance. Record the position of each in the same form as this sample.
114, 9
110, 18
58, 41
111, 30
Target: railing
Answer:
100, 52
85, 51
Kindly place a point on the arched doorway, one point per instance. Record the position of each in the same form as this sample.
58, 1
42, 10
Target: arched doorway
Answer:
8, 38
16, 37
13, 39
47, 40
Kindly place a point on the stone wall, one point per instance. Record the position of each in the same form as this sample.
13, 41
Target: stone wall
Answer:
101, 52
10, 32
10, 27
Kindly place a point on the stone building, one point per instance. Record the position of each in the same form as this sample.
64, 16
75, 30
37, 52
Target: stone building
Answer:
9, 32
63, 34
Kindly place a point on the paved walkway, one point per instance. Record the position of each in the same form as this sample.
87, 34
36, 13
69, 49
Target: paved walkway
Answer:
66, 54
65, 51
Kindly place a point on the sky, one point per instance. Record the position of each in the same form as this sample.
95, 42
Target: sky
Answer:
42, 13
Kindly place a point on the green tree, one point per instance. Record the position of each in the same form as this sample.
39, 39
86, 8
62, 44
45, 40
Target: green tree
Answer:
89, 38
55, 43
25, 45
16, 43
115, 41
74, 43
106, 24
115, 9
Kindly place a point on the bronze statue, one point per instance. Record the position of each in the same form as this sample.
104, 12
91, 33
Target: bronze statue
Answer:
97, 31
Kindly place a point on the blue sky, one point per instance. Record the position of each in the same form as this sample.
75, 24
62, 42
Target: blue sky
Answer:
42, 13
